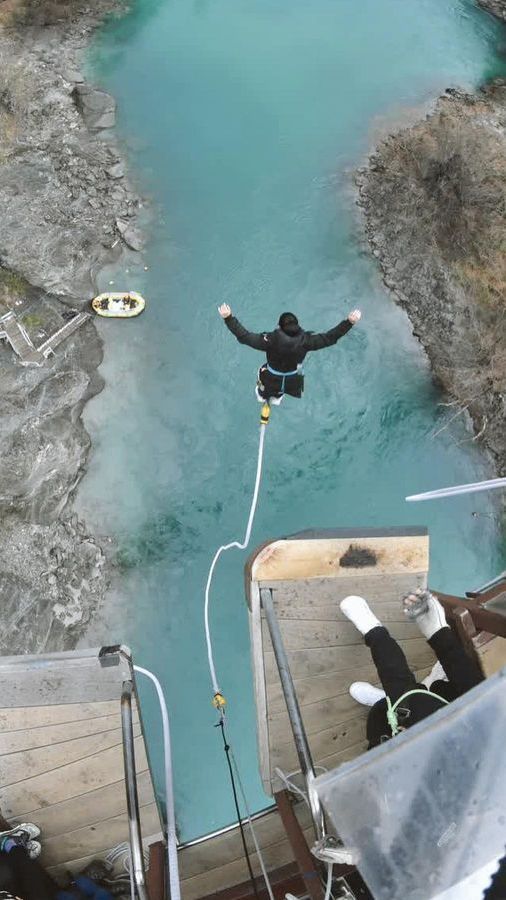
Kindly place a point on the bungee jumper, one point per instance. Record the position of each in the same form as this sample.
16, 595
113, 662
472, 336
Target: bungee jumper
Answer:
286, 348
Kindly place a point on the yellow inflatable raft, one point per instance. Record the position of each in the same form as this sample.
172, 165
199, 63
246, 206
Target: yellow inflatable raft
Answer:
119, 306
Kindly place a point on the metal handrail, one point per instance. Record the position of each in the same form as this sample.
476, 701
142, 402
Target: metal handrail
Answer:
138, 871
294, 715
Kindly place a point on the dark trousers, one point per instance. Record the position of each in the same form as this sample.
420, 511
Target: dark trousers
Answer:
397, 678
25, 877
270, 385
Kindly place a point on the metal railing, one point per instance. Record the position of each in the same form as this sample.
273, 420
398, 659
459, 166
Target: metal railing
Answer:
138, 870
294, 715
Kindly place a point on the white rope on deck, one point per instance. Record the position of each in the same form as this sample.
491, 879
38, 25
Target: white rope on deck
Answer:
172, 860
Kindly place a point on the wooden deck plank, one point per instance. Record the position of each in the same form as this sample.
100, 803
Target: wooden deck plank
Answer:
18, 767
305, 663
29, 681
68, 815
323, 743
324, 595
72, 780
236, 872
105, 834
319, 687
22, 691
349, 753
330, 612
200, 858
51, 735
17, 718
304, 635
316, 717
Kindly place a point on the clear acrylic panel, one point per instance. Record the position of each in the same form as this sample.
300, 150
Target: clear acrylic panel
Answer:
428, 808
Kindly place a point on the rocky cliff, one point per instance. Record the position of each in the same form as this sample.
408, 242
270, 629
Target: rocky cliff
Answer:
434, 197
67, 209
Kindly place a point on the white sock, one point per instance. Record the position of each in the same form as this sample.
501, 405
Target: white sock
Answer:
433, 620
437, 674
357, 610
365, 693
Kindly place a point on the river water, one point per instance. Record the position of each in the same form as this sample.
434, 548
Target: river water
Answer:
244, 121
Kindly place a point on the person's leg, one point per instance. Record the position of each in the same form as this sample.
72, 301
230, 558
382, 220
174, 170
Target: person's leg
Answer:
8, 880
391, 664
33, 881
260, 390
425, 609
463, 673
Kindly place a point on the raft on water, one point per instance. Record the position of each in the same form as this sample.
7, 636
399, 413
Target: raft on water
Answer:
118, 305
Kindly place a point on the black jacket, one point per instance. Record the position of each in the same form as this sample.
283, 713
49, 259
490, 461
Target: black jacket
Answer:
285, 352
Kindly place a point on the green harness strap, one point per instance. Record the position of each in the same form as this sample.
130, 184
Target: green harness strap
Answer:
392, 707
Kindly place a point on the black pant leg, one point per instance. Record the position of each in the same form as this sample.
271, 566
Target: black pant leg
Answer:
269, 384
463, 674
33, 881
8, 880
393, 670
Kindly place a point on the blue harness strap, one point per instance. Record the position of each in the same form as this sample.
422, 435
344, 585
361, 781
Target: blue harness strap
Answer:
282, 375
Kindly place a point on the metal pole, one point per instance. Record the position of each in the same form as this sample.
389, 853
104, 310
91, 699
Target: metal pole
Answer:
138, 874
458, 489
292, 705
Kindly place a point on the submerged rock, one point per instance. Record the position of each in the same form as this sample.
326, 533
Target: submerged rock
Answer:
116, 171
131, 235
97, 108
434, 202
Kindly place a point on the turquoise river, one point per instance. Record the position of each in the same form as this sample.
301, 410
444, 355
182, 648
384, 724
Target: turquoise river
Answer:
243, 122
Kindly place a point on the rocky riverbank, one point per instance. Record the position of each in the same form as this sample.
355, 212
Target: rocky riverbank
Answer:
496, 7
67, 210
434, 197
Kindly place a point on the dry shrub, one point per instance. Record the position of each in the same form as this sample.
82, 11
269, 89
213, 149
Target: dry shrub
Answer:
457, 184
437, 199
8, 133
12, 286
18, 90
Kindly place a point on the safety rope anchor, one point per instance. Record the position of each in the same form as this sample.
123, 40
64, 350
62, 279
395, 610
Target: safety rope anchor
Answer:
219, 702
265, 414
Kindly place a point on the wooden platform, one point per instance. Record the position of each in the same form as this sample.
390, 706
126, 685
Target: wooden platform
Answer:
308, 576
13, 331
61, 755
